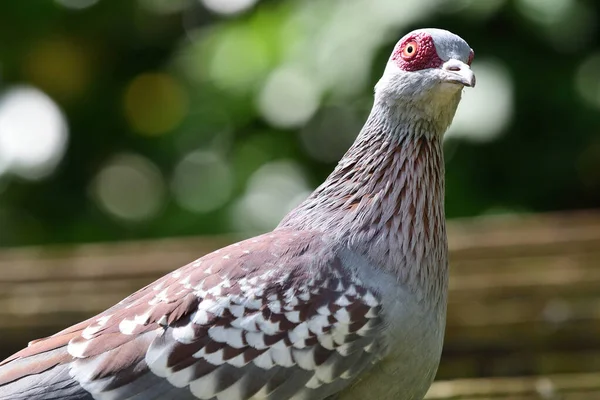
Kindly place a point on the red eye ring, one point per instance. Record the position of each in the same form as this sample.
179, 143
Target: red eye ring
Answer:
410, 50
471, 57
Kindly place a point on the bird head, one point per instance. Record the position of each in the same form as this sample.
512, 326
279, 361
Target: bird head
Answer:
426, 72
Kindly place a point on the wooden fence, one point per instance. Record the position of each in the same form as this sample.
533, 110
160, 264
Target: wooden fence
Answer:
524, 300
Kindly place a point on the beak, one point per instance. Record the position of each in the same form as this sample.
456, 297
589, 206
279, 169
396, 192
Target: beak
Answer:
459, 72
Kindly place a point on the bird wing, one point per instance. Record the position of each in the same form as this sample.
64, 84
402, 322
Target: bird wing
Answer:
272, 317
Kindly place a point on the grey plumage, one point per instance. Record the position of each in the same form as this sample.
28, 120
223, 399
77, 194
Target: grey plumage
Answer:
348, 290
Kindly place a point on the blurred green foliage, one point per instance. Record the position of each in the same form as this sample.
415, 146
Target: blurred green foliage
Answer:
184, 119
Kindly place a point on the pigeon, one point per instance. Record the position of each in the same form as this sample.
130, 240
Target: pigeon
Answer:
345, 298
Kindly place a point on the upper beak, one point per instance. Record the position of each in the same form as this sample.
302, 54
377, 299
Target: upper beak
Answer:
459, 72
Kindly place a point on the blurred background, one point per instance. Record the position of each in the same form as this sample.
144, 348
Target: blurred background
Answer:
146, 119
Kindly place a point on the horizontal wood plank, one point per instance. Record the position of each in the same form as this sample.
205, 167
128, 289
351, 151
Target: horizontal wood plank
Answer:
524, 291
564, 387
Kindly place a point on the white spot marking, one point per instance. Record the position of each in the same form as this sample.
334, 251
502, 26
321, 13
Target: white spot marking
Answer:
342, 315
104, 319
247, 323
142, 319
160, 297
279, 345
343, 301
211, 306
237, 361
215, 291
339, 333
304, 296
200, 353
283, 278
264, 361
163, 320
184, 334
267, 275
127, 326
324, 310
253, 303
231, 336
299, 333
267, 326
275, 306
370, 300
317, 323
305, 358
326, 341
186, 282
288, 308
293, 316
77, 348
200, 317
237, 310
255, 293
256, 340
215, 358
351, 291
314, 382
91, 330
300, 344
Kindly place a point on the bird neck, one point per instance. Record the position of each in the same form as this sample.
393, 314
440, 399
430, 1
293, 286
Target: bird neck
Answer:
385, 200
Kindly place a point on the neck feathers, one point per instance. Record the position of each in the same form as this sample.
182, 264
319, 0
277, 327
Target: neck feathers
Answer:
385, 200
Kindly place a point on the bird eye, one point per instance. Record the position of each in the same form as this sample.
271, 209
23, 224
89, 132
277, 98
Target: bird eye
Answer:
410, 49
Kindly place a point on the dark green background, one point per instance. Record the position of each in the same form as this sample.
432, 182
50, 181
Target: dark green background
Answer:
547, 158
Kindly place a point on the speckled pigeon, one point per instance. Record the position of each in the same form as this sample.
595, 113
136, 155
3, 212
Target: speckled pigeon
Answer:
346, 297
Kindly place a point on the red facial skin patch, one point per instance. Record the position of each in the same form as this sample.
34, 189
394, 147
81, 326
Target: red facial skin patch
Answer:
425, 57
471, 57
